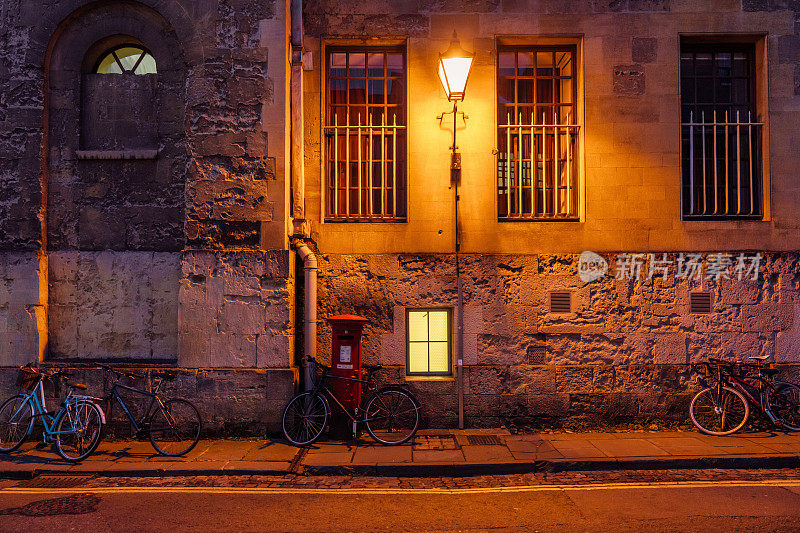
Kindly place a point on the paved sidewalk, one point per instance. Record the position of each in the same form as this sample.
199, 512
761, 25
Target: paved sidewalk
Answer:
433, 452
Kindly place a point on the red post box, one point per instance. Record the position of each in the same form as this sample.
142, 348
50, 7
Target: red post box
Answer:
346, 358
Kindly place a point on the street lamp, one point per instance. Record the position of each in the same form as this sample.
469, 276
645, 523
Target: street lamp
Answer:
454, 65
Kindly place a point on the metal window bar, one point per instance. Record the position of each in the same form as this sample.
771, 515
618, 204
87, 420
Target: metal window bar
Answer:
713, 151
363, 179
536, 171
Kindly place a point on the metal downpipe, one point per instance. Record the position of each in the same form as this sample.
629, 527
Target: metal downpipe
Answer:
310, 310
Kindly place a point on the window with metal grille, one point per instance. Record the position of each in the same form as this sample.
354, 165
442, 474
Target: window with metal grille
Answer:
428, 333
700, 302
720, 132
560, 302
537, 136
365, 142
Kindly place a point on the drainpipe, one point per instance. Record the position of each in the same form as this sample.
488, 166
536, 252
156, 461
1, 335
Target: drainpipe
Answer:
296, 107
298, 192
310, 307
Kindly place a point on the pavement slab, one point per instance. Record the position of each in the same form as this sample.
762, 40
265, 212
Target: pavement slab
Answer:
382, 454
438, 456
577, 449
486, 454
271, 451
328, 458
231, 450
628, 447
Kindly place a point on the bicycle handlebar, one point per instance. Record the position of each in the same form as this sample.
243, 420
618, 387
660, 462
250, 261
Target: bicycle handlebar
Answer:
109, 368
45, 374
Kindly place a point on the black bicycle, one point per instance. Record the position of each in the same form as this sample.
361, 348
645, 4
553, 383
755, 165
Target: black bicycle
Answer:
391, 414
723, 406
173, 426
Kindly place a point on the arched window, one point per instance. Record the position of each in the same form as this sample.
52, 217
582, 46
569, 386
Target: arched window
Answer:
128, 59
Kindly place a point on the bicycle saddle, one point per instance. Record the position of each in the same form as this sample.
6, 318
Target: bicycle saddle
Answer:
372, 368
80, 386
760, 357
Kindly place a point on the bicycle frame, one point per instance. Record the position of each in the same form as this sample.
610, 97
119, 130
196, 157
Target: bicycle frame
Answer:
322, 388
737, 382
147, 412
37, 400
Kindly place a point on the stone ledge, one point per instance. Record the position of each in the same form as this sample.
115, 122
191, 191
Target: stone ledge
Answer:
94, 155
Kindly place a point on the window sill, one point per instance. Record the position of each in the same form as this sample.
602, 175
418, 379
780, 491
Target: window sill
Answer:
94, 155
430, 378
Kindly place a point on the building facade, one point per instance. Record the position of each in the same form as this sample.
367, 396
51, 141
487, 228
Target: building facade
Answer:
625, 203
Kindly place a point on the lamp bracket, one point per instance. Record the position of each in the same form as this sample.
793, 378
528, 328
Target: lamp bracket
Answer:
464, 116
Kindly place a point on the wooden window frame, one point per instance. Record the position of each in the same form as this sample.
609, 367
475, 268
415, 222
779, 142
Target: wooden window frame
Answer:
526, 201
449, 372
393, 202
723, 127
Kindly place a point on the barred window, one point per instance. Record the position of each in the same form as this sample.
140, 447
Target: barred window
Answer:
720, 132
537, 133
365, 142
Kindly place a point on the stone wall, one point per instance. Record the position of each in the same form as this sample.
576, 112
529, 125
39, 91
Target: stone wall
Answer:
145, 195
624, 352
23, 308
113, 305
236, 310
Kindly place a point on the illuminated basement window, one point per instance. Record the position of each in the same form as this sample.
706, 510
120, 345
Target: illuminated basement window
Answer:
126, 59
429, 347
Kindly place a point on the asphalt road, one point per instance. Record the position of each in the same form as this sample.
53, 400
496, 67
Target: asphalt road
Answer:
770, 505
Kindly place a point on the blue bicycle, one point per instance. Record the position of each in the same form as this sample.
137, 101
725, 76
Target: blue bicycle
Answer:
75, 429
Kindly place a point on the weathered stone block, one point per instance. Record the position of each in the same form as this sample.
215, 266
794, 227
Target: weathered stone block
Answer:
644, 49
274, 350
768, 316
233, 350
628, 80
243, 316
669, 348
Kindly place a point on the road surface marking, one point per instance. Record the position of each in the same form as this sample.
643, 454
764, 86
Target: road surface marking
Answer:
399, 491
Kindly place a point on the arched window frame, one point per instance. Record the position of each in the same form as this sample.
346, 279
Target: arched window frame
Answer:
112, 51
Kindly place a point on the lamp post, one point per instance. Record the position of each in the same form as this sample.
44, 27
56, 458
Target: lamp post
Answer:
454, 66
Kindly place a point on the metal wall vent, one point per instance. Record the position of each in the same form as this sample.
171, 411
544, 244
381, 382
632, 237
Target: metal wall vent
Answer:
560, 302
700, 302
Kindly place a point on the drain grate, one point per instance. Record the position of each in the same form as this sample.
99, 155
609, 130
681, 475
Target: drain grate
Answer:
484, 440
74, 504
435, 442
54, 482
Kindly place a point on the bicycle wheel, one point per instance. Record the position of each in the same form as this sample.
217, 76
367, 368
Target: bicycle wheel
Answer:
175, 428
16, 421
78, 430
784, 402
392, 416
305, 418
719, 416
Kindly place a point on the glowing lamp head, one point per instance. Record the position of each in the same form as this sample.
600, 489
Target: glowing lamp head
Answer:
454, 65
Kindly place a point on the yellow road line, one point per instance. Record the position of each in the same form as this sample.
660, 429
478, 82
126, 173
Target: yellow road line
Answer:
401, 491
